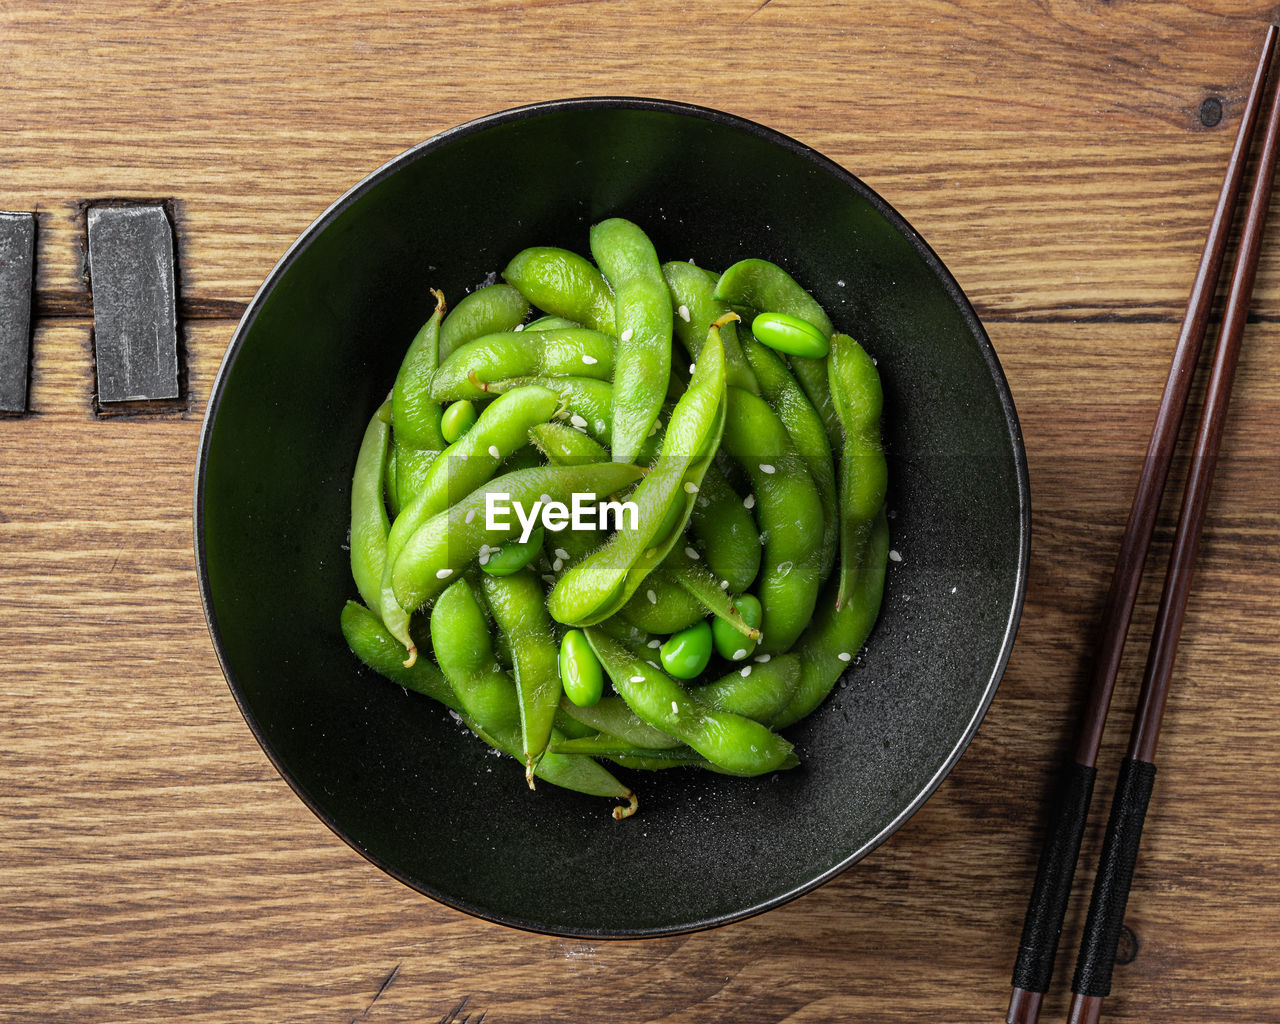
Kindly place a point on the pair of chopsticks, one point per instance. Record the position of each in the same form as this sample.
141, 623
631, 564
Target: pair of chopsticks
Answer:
1047, 907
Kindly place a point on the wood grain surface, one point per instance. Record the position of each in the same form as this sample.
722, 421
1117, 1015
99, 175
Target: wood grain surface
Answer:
1063, 158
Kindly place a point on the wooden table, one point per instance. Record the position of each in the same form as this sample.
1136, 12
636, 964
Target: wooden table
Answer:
1062, 158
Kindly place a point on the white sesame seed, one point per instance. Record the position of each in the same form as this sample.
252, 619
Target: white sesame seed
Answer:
657, 425
562, 553
724, 584
953, 590
600, 426
471, 515
590, 360
840, 284
578, 421
784, 568
749, 501
767, 469
519, 327
654, 644
484, 558
545, 498
739, 654
895, 556
493, 450
675, 708
557, 565
548, 578
746, 671
485, 549
443, 574
692, 367
845, 656
690, 487
626, 335
692, 553
762, 658
637, 679
653, 598
682, 311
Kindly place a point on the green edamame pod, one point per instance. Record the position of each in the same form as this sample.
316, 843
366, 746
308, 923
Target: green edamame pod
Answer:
415, 415
564, 284
788, 511
765, 287
564, 445
449, 541
512, 556
599, 585
389, 493
661, 606
501, 430
550, 323
642, 311
369, 523
859, 400
487, 310
611, 715
807, 433
696, 309
460, 637
725, 532
760, 690
835, 637
520, 612
372, 644
573, 351
684, 567
729, 741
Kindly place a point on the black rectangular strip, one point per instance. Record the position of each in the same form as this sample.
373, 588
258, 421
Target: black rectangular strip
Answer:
135, 329
17, 266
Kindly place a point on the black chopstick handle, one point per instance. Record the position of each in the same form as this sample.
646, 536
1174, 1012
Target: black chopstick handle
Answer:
1115, 875
1042, 927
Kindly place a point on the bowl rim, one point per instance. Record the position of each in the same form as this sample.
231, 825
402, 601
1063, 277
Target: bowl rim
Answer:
822, 162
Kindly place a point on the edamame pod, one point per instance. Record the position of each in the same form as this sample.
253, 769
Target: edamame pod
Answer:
642, 314
572, 351
804, 427
765, 287
415, 415
369, 523
520, 612
835, 637
501, 430
487, 310
449, 541
856, 391
789, 513
460, 638
730, 741
564, 284
760, 690
599, 585
696, 309
372, 644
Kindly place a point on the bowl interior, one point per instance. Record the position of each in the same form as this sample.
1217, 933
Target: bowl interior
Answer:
391, 772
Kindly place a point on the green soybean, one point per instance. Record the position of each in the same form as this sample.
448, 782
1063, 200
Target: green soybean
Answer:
564, 284
581, 673
457, 419
686, 654
791, 335
729, 641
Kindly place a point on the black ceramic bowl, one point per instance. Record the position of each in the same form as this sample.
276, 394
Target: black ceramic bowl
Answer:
390, 772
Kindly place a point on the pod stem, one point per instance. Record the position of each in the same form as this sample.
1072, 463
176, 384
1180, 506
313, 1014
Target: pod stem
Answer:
633, 804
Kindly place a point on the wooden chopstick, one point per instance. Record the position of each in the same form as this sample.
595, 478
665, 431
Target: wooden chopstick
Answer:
1137, 774
1033, 969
